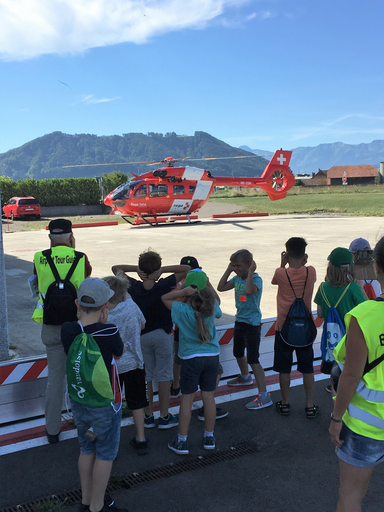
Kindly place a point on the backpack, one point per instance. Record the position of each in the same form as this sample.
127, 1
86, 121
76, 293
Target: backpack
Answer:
87, 376
333, 328
299, 329
59, 301
369, 291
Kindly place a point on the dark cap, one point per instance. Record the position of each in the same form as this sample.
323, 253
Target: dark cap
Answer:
191, 261
340, 257
60, 226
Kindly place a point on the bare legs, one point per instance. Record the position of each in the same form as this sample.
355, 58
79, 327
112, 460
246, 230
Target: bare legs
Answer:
258, 372
94, 477
353, 487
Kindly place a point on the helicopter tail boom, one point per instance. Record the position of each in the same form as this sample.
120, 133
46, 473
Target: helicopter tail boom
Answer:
276, 179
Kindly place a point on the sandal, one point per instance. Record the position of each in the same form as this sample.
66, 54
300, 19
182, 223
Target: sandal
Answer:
283, 409
311, 412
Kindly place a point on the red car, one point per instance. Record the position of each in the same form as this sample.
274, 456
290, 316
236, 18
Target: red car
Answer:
22, 206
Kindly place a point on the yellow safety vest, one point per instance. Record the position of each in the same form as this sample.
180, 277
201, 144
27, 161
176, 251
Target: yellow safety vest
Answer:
365, 413
63, 257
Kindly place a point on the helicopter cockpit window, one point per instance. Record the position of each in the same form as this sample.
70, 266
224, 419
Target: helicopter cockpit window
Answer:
124, 191
141, 191
158, 190
178, 190
191, 189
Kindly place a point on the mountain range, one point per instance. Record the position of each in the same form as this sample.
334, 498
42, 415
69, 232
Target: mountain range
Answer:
324, 156
47, 156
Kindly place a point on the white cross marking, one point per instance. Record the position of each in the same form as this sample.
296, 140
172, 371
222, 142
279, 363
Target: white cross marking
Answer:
281, 159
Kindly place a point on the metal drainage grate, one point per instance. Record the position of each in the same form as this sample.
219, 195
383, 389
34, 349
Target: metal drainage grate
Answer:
118, 482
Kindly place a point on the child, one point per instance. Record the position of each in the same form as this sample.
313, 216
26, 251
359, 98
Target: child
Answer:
298, 273
156, 338
199, 353
96, 457
371, 287
248, 286
126, 315
339, 284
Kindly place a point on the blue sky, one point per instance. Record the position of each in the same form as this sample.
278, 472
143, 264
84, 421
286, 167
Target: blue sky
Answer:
262, 73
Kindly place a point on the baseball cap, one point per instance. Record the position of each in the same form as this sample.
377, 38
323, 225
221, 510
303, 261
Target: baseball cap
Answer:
60, 226
198, 279
359, 244
96, 289
191, 261
340, 257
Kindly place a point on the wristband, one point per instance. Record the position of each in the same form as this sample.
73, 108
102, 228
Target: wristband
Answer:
334, 419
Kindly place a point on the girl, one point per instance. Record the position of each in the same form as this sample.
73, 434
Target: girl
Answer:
199, 353
339, 290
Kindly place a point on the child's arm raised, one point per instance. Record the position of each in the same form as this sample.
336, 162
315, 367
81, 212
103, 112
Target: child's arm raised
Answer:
180, 271
250, 287
124, 268
171, 296
225, 285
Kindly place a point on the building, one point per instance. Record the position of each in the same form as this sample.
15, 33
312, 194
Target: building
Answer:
355, 174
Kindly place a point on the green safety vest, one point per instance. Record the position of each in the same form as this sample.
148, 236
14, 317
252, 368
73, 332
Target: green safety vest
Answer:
63, 257
365, 413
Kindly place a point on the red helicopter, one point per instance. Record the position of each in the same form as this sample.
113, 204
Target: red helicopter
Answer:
175, 191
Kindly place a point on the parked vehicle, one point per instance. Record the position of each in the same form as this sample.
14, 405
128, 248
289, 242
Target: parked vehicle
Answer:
22, 206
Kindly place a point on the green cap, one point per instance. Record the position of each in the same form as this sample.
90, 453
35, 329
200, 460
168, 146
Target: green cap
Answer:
340, 257
198, 279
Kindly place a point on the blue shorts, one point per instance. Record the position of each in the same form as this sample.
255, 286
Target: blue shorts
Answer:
105, 423
198, 371
247, 335
283, 357
360, 451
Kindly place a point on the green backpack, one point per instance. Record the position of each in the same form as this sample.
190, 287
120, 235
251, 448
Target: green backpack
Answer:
88, 378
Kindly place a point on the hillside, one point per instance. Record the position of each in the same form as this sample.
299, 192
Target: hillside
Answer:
45, 156
324, 156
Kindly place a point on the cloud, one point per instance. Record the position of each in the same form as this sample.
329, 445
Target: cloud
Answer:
30, 28
90, 99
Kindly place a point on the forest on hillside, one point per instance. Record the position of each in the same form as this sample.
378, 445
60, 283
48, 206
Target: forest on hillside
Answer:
47, 156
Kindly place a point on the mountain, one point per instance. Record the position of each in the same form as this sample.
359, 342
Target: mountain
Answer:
260, 152
325, 156
45, 156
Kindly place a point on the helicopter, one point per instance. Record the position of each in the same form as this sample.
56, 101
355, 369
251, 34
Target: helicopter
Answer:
181, 191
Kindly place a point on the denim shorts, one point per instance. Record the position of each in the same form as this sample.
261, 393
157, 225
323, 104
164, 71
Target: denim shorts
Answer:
105, 423
198, 371
360, 451
247, 335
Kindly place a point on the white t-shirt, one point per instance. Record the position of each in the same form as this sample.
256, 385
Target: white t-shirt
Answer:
127, 316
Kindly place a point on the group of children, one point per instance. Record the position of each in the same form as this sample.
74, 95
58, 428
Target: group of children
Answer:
146, 311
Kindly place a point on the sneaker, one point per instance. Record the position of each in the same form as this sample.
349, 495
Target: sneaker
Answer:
169, 422
149, 421
141, 447
179, 447
108, 502
259, 402
52, 438
220, 413
174, 392
209, 443
329, 388
241, 381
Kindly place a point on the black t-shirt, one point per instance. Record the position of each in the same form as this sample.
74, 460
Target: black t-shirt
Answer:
157, 316
106, 336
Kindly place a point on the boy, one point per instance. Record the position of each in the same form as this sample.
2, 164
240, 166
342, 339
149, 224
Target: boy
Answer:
248, 287
96, 457
156, 338
126, 315
296, 258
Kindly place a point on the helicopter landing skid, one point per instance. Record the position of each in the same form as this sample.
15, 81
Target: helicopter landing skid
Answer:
152, 220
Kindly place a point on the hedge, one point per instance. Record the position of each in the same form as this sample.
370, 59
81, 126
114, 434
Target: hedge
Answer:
60, 192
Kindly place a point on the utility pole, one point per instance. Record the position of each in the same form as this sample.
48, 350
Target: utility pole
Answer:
4, 340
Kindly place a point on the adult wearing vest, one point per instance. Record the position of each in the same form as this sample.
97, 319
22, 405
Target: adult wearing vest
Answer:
357, 422
62, 254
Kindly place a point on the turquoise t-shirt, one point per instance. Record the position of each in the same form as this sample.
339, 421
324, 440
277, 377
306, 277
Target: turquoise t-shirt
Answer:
190, 344
248, 306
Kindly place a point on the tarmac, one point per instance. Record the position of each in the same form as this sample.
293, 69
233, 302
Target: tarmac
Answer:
263, 461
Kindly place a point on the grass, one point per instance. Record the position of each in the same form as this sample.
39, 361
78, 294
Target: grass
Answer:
353, 200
